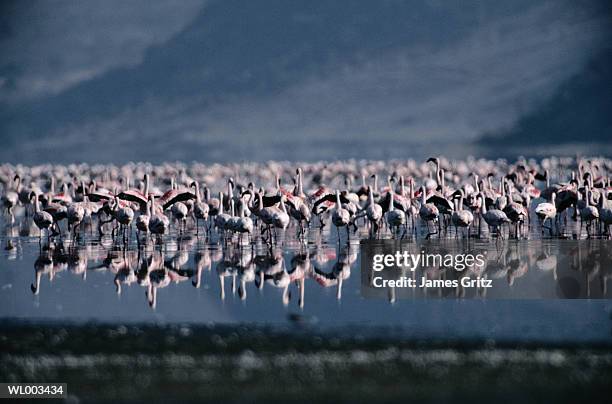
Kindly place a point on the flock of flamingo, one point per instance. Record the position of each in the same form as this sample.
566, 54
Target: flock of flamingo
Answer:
268, 207
402, 199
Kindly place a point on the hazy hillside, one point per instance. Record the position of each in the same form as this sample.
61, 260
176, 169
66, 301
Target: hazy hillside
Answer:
307, 80
579, 111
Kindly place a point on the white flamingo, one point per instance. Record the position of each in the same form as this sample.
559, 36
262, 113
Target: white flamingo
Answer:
158, 223
588, 213
461, 217
374, 211
200, 209
43, 220
395, 217
341, 217
428, 212
494, 217
547, 211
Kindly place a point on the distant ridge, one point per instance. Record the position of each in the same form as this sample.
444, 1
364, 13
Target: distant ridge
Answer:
580, 110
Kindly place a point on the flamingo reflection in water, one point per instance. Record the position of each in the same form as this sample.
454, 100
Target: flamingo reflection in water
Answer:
271, 270
340, 271
160, 277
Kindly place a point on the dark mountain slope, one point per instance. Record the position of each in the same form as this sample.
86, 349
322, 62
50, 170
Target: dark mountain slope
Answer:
579, 111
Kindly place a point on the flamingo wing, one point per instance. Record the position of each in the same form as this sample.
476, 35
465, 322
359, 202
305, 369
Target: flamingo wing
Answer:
97, 196
441, 201
133, 195
175, 195
269, 201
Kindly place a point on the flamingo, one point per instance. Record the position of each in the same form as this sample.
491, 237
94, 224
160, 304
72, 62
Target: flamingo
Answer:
221, 217
428, 211
142, 221
244, 225
394, 217
23, 193
174, 196
374, 211
588, 213
230, 224
200, 209
124, 216
10, 198
461, 217
280, 218
42, 219
547, 211
179, 212
605, 212
74, 215
213, 205
158, 222
516, 212
135, 195
494, 217
298, 209
341, 216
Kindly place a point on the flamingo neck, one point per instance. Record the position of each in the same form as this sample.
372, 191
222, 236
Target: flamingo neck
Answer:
296, 181
411, 188
146, 190
300, 184
483, 203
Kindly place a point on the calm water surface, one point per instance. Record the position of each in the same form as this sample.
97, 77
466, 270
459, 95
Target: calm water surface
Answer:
193, 278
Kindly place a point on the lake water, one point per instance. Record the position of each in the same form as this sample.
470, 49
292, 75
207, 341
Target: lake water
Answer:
195, 317
314, 281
